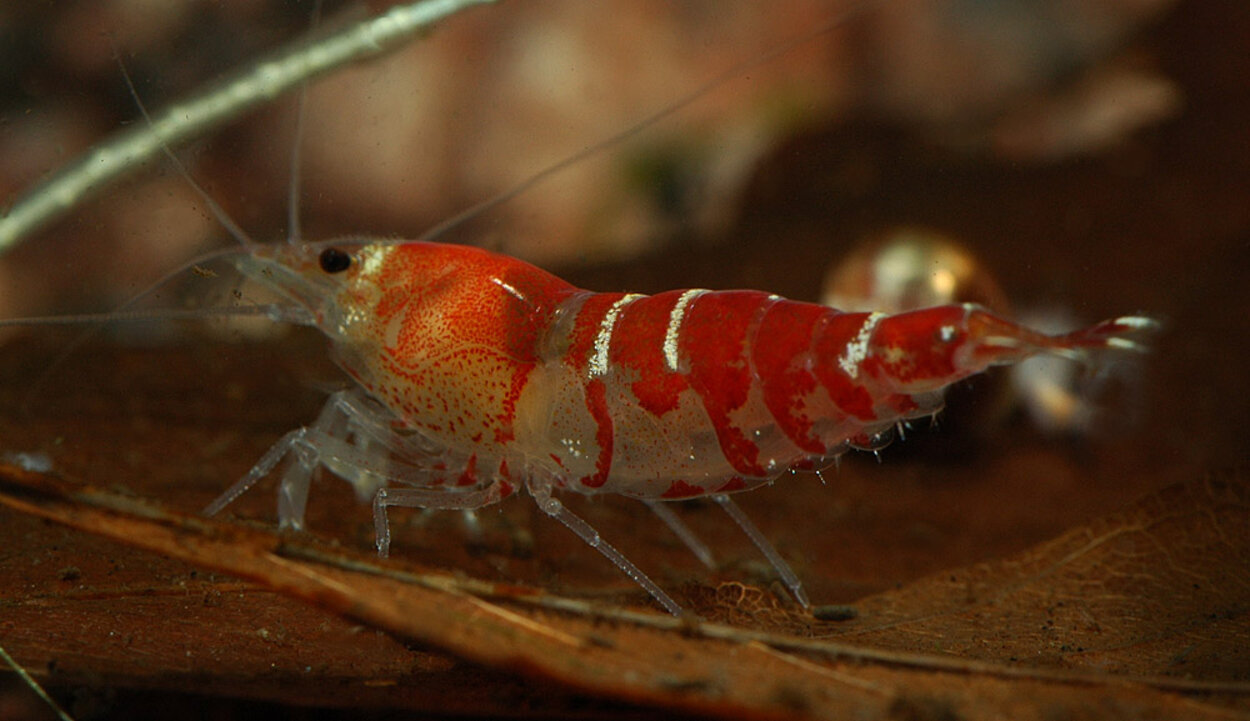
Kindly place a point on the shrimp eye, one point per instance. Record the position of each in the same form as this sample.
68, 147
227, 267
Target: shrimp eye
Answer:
334, 260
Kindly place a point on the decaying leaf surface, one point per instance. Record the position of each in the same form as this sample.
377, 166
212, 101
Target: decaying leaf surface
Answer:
923, 646
1158, 589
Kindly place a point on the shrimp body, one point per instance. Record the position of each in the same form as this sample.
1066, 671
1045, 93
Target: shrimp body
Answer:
477, 374
511, 374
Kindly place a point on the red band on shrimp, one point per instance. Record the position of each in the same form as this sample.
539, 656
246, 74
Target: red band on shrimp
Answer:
597, 403
833, 336
717, 324
468, 477
588, 328
638, 345
681, 489
779, 352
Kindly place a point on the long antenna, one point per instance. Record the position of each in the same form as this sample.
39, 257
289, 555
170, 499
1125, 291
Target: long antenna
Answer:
273, 311
294, 233
218, 212
289, 314
616, 138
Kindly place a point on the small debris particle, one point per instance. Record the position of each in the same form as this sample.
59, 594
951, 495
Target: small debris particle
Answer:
835, 612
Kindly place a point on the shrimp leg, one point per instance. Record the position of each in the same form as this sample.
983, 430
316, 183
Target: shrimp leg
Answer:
342, 439
682, 531
553, 507
704, 554
345, 439
463, 499
788, 576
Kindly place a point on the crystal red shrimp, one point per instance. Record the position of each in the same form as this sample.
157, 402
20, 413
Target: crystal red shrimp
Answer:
477, 374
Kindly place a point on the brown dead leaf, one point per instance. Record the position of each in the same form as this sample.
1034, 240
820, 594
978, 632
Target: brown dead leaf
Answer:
922, 647
1162, 588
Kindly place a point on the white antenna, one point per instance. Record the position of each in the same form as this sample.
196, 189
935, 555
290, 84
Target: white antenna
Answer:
616, 138
294, 234
218, 212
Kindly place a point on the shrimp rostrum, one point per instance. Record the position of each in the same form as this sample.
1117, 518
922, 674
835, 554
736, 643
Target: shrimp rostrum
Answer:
477, 374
